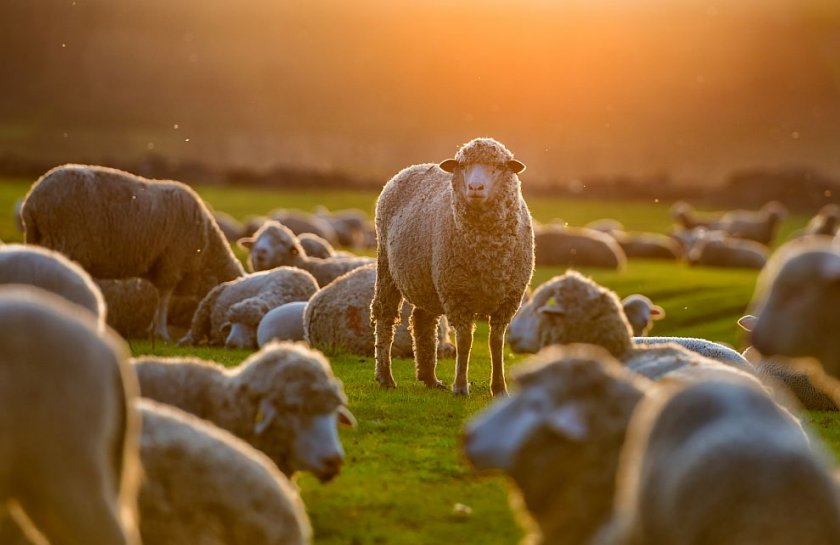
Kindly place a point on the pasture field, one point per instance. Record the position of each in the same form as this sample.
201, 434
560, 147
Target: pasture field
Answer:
404, 472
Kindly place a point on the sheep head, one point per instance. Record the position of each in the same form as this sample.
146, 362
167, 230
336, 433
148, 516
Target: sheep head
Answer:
482, 169
273, 245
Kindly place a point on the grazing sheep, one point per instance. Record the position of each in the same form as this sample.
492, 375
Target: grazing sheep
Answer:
132, 302
574, 309
811, 393
118, 225
717, 250
350, 225
641, 313
796, 301
203, 485
283, 400
759, 226
52, 272
303, 222
567, 246
454, 239
648, 245
230, 226
683, 214
231, 312
719, 462
338, 318
284, 323
315, 246
69, 433
274, 245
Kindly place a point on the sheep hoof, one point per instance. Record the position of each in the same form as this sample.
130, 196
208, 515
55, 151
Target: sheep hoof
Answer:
461, 390
434, 383
499, 390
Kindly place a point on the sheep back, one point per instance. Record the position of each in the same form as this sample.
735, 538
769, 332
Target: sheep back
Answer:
554, 246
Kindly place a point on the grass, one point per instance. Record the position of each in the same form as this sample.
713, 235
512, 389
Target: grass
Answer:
404, 473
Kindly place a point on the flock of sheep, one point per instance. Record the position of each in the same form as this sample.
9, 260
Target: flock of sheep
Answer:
611, 437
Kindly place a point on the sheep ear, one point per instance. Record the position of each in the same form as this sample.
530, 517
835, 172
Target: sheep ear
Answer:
345, 417
245, 242
657, 312
293, 251
747, 322
266, 413
449, 165
568, 420
516, 166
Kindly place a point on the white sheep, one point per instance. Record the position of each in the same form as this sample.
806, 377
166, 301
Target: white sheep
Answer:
283, 400
337, 318
53, 272
274, 245
556, 245
284, 323
715, 249
760, 226
453, 239
641, 313
231, 312
204, 485
720, 462
796, 302
69, 456
118, 225
350, 225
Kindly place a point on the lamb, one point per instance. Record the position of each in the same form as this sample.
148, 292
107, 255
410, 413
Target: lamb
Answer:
303, 222
203, 485
760, 226
454, 239
573, 405
555, 245
641, 313
52, 272
811, 393
118, 225
284, 323
694, 452
338, 318
231, 312
683, 214
796, 301
573, 309
283, 400
274, 245
77, 437
132, 302
718, 250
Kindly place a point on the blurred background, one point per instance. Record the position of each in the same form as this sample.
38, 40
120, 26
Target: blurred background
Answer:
628, 94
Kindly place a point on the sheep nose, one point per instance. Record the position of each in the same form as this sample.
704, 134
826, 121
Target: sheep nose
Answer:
331, 466
476, 187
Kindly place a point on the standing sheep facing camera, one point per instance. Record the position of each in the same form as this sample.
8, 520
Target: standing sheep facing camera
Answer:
69, 456
284, 400
118, 225
454, 239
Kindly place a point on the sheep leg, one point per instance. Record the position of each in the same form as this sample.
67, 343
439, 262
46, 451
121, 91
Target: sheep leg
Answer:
158, 327
424, 332
384, 311
463, 345
497, 343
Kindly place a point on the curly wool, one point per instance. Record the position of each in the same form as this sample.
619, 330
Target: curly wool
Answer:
295, 379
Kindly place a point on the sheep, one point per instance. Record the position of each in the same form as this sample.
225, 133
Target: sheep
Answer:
559, 436
204, 485
350, 225
825, 223
718, 250
811, 393
687, 238
283, 400
69, 432
760, 226
132, 302
51, 271
719, 462
641, 313
683, 214
555, 245
118, 225
338, 318
302, 222
231, 312
574, 309
230, 226
454, 239
274, 245
283, 323
608, 226
648, 245
796, 301
315, 246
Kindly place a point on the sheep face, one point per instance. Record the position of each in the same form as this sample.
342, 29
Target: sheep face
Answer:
797, 307
317, 447
477, 183
272, 246
641, 312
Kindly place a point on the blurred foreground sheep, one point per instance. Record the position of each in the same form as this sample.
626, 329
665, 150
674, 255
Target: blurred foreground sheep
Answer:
453, 239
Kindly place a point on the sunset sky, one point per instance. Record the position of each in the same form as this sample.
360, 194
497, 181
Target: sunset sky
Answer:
575, 87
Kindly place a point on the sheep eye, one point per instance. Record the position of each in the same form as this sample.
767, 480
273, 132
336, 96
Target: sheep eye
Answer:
293, 250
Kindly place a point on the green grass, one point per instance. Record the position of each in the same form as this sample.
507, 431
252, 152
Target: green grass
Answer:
404, 472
